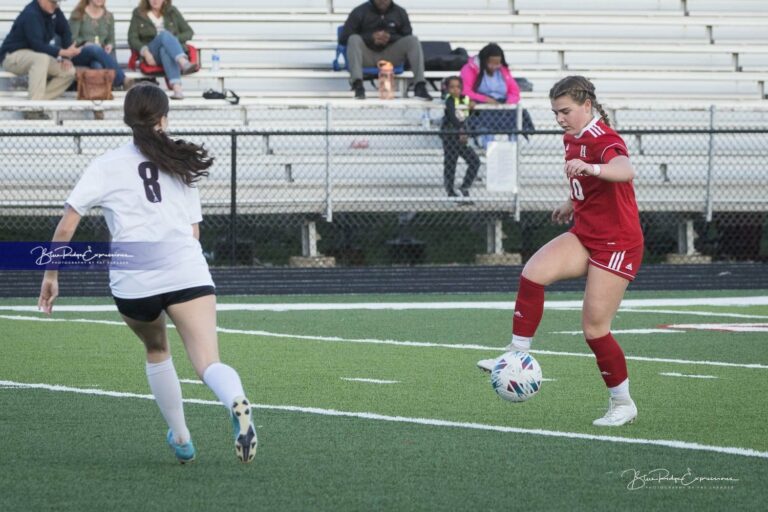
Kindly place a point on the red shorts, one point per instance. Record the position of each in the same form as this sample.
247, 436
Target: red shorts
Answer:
622, 263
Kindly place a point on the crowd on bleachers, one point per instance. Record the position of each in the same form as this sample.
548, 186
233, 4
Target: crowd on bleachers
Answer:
45, 46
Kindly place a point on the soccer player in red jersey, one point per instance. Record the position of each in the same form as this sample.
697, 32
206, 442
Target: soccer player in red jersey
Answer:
605, 243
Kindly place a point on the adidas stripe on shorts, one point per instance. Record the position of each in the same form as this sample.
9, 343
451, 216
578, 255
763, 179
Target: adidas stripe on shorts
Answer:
622, 263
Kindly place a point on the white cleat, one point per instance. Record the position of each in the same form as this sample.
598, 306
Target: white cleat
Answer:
620, 412
487, 364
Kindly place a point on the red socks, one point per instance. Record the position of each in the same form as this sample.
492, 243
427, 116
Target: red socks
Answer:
610, 359
529, 307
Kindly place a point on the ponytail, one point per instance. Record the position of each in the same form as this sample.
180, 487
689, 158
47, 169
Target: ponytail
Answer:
579, 89
184, 159
145, 106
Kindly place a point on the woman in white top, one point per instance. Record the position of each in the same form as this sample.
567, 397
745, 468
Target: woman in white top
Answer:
146, 190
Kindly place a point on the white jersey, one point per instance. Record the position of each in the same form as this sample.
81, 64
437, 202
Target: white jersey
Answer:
142, 204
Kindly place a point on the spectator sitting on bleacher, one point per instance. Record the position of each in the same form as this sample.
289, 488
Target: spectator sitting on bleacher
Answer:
28, 49
380, 30
487, 79
158, 32
93, 30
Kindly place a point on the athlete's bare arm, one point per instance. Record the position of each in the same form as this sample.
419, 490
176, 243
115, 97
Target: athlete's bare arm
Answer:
619, 169
65, 230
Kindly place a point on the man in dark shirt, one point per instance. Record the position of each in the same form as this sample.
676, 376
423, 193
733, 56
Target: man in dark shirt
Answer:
380, 30
29, 49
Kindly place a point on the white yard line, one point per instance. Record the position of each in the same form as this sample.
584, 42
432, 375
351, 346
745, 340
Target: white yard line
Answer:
691, 313
401, 343
624, 331
191, 381
675, 374
682, 445
762, 327
445, 305
370, 381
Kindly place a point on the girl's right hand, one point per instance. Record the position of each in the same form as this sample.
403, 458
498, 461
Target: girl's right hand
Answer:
49, 290
563, 214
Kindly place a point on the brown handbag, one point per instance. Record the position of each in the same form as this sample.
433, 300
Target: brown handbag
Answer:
95, 84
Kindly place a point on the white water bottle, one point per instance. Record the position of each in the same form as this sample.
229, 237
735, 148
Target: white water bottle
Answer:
426, 120
215, 61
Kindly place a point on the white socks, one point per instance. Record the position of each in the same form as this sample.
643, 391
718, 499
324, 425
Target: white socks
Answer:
165, 386
621, 391
224, 382
520, 343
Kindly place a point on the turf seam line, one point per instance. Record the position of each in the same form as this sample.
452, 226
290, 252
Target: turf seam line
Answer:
730, 450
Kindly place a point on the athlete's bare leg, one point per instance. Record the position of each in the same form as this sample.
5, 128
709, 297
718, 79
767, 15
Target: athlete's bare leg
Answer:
154, 336
196, 322
561, 258
602, 298
164, 383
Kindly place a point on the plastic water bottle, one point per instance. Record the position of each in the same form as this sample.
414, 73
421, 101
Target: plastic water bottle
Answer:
426, 121
215, 61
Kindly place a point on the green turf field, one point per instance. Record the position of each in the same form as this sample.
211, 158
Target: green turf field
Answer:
423, 430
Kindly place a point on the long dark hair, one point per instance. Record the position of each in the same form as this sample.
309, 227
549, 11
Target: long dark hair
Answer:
489, 50
145, 105
579, 89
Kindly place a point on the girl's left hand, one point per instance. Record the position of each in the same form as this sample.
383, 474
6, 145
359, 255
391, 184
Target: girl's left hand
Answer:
577, 167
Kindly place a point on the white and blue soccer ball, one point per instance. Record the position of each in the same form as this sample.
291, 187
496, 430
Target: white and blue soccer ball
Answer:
516, 376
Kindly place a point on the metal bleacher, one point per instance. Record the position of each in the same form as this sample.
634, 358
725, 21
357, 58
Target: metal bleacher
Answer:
655, 63
274, 48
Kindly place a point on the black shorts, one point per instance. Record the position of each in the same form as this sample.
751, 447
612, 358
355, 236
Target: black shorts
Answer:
147, 309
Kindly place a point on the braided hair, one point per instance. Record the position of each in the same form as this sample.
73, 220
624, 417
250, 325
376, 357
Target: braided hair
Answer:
579, 89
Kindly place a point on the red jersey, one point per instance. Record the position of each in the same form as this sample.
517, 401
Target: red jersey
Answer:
605, 212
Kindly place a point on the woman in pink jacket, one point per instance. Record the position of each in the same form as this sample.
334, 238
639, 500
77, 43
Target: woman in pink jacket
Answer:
487, 79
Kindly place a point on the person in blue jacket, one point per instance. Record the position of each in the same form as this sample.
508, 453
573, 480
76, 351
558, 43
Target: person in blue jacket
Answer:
30, 49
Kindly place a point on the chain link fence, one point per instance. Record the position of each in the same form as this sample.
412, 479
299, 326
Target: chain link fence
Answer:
366, 185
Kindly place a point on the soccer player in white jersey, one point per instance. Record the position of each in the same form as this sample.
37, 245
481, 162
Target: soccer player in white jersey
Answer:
146, 190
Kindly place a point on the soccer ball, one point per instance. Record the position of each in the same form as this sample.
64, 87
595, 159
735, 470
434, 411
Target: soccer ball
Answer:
516, 376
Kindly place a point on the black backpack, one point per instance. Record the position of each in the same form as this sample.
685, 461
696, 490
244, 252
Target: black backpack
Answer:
438, 56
